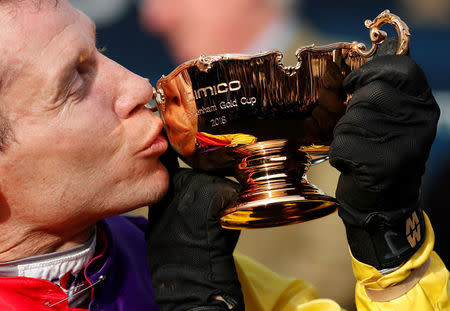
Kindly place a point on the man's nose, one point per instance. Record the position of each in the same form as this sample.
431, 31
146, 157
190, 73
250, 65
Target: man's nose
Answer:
136, 92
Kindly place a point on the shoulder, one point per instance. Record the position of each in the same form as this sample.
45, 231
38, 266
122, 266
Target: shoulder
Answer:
124, 222
124, 232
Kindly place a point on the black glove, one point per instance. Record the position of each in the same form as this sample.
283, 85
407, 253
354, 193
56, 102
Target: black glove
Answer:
380, 146
189, 253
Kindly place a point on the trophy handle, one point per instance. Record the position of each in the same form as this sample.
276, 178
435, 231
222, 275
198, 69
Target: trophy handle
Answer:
377, 36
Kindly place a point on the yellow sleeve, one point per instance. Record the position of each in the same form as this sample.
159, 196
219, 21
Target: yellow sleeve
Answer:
265, 290
422, 283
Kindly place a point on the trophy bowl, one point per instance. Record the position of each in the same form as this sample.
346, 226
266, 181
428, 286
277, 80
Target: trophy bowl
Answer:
251, 117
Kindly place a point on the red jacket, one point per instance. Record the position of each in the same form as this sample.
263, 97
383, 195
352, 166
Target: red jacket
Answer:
21, 293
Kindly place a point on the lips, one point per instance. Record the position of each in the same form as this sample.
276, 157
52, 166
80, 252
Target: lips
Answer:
156, 147
156, 144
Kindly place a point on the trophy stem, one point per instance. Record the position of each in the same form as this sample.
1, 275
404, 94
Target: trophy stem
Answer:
275, 190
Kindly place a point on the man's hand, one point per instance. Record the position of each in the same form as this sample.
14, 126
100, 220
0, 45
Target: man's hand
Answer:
189, 254
380, 146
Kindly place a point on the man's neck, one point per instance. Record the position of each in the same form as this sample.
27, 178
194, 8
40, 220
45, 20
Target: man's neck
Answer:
18, 243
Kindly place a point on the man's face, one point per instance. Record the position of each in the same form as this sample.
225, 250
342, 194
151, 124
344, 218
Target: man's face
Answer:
83, 146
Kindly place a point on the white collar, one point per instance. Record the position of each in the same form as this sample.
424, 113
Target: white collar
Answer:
54, 266
51, 266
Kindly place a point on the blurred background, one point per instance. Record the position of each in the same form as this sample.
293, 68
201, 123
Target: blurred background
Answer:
152, 37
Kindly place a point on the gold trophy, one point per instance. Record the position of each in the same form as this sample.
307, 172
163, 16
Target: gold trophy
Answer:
251, 117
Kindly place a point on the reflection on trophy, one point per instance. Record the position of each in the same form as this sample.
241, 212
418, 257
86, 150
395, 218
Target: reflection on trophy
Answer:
251, 117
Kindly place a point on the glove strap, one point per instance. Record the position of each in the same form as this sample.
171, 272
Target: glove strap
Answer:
384, 243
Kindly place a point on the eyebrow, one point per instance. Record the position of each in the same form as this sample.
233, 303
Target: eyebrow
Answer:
84, 55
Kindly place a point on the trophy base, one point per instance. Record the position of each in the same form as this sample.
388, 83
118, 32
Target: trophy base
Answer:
275, 189
281, 211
